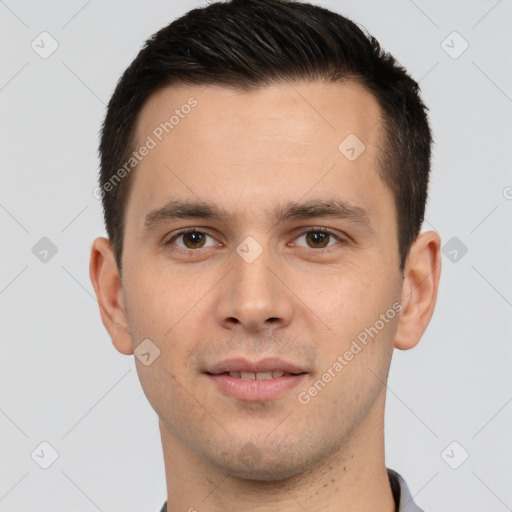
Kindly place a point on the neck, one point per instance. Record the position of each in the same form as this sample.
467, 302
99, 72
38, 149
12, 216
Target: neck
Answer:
354, 478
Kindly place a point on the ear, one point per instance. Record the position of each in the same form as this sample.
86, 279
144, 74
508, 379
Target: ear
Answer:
419, 292
107, 284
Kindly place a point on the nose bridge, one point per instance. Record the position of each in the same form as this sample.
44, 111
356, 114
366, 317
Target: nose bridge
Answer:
253, 295
254, 279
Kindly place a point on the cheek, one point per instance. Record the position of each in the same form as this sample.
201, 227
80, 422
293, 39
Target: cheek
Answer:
362, 312
353, 368
161, 301
168, 309
351, 299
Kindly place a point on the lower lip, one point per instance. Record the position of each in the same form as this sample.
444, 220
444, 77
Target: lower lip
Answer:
256, 390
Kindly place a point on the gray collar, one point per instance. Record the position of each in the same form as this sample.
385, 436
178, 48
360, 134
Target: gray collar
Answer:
400, 490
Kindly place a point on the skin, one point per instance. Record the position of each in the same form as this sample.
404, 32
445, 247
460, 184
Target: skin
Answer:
250, 152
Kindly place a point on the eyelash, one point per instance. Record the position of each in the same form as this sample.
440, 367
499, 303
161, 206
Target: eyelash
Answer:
311, 230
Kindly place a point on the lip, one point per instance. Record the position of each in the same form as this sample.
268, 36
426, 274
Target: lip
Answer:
254, 390
244, 365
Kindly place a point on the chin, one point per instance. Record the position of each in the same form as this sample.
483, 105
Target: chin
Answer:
264, 472
267, 464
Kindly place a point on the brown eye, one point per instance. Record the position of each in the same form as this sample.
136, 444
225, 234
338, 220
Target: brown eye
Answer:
190, 239
318, 238
193, 240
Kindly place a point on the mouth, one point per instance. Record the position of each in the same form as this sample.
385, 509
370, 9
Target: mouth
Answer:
273, 374
255, 380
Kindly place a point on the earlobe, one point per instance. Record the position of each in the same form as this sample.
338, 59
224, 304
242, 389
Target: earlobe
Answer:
106, 281
419, 292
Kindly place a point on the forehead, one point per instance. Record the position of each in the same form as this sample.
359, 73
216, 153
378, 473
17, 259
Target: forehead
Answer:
300, 109
265, 143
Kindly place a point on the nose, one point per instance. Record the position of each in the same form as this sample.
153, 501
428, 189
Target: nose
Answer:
254, 296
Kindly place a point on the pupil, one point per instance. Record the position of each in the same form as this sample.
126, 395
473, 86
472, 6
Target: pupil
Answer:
195, 237
318, 237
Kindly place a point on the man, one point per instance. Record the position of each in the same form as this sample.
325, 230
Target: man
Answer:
264, 172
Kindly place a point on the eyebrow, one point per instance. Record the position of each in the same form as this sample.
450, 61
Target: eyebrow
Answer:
316, 208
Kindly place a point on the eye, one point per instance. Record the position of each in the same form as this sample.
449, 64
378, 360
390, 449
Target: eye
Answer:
191, 238
318, 238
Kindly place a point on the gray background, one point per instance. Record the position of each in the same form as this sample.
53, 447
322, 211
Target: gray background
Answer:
62, 381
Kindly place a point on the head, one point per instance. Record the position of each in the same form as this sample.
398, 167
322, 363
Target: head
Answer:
249, 44
298, 153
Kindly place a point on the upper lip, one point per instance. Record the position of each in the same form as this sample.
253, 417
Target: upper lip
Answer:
245, 365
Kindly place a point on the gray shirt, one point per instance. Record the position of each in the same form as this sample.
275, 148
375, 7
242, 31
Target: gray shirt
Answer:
401, 494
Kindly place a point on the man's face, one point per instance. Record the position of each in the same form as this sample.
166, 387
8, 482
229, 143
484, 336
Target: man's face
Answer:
259, 284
